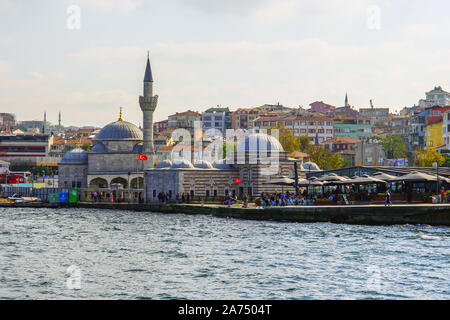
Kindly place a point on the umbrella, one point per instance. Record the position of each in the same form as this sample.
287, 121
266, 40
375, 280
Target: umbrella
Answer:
416, 176
283, 181
366, 179
384, 176
307, 183
331, 177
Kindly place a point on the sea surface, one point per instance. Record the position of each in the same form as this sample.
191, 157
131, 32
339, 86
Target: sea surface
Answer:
109, 254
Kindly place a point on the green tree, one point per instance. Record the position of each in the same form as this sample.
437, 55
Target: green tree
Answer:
304, 143
324, 158
393, 147
428, 157
287, 139
87, 147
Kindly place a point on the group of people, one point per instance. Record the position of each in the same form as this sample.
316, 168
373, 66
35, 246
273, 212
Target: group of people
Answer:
166, 197
286, 198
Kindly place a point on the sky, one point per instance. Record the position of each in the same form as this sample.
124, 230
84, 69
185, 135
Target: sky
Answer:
86, 58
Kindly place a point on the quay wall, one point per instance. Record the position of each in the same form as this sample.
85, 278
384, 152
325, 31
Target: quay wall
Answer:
431, 214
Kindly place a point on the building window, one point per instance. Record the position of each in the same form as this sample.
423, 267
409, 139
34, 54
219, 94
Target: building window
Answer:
215, 192
154, 193
207, 193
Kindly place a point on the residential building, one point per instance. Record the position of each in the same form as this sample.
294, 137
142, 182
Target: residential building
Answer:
400, 125
243, 118
184, 120
354, 128
435, 97
276, 108
347, 147
446, 129
160, 126
321, 107
217, 118
318, 129
434, 137
376, 115
7, 120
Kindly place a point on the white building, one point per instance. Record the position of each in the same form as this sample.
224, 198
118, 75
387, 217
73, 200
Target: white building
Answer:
316, 128
216, 118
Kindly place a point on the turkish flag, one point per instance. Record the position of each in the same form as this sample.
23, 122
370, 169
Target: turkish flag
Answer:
238, 180
142, 157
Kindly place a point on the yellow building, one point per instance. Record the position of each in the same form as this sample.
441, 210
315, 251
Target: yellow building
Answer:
434, 132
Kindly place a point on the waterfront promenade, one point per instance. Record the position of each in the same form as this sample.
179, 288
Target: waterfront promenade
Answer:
431, 214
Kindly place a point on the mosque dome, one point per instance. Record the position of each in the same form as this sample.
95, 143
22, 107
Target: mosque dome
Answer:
120, 130
203, 164
75, 156
221, 164
310, 166
182, 164
164, 164
255, 142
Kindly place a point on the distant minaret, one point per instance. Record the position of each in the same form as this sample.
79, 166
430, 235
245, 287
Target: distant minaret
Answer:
148, 103
346, 100
59, 123
45, 121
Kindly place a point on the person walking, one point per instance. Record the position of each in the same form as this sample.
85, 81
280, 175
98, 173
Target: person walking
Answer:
443, 195
388, 198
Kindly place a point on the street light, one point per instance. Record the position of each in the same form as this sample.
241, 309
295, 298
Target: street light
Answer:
436, 166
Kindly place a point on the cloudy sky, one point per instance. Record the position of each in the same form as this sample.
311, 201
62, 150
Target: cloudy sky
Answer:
237, 53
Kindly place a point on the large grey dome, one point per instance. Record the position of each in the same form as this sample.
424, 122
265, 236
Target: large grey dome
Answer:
164, 164
75, 156
203, 164
120, 130
182, 164
259, 142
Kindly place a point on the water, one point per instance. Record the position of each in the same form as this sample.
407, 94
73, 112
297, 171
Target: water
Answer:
106, 254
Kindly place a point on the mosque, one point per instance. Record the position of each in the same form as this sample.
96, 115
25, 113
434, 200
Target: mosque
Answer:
113, 162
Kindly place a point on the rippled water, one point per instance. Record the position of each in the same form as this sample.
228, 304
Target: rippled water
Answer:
134, 255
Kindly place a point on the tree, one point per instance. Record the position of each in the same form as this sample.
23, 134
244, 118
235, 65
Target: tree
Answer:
304, 142
393, 147
87, 147
324, 158
428, 157
287, 139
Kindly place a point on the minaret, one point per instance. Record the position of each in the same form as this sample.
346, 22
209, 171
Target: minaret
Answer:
59, 123
148, 103
346, 100
43, 124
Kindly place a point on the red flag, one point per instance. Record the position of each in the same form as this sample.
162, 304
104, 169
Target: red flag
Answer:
142, 157
238, 180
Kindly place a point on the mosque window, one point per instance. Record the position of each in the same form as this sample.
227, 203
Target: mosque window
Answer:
207, 193
154, 193
192, 193
215, 192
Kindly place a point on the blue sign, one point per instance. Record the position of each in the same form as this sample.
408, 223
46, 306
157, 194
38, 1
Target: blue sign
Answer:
63, 197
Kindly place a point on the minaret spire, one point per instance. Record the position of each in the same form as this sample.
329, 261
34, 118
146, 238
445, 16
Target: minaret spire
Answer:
43, 124
148, 70
346, 100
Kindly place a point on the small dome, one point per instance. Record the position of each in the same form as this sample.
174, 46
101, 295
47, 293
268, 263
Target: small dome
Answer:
99, 147
221, 164
182, 164
203, 164
164, 164
310, 166
255, 142
120, 130
75, 156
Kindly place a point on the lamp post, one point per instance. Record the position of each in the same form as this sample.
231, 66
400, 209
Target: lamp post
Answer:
129, 173
436, 166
